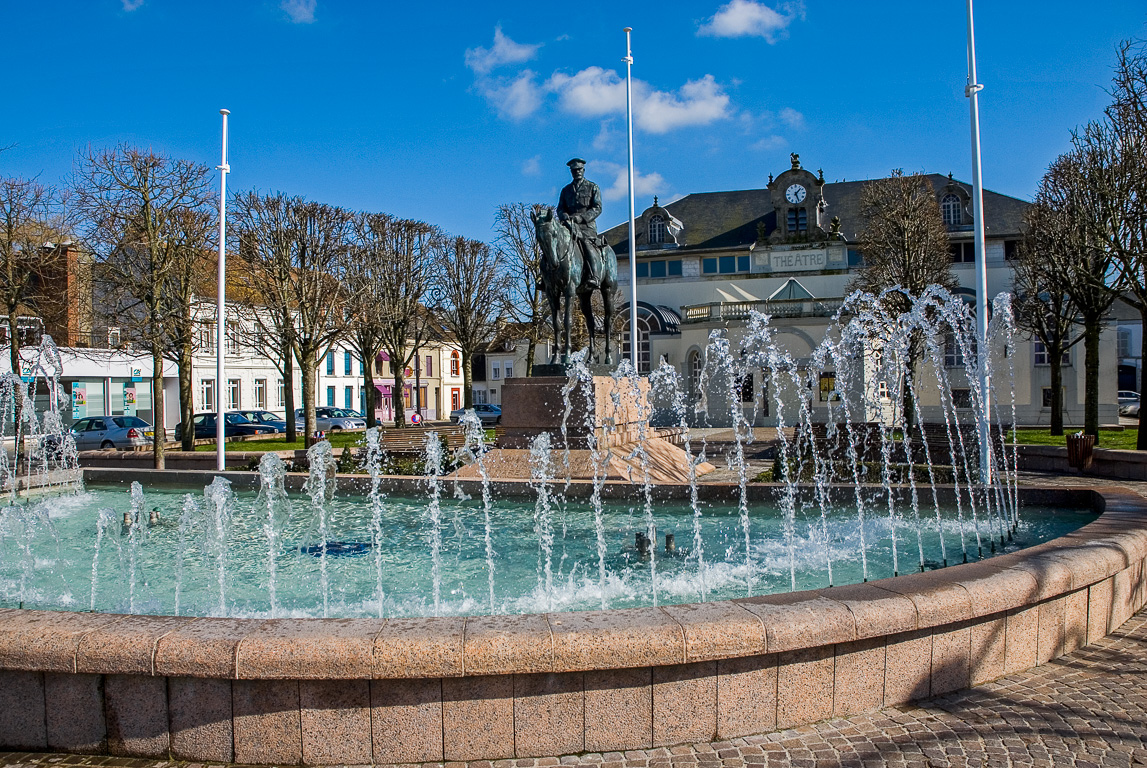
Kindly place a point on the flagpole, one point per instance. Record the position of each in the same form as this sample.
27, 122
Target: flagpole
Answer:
220, 309
633, 334
971, 91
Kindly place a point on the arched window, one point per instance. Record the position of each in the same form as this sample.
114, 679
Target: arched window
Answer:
656, 230
644, 326
950, 206
693, 371
455, 363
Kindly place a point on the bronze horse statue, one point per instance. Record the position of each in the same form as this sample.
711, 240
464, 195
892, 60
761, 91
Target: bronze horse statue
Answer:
562, 268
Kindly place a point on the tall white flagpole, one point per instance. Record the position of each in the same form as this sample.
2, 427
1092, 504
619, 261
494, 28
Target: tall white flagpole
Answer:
220, 310
633, 334
971, 91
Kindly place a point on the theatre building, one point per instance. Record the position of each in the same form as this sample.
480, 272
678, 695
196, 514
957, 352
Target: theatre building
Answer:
791, 250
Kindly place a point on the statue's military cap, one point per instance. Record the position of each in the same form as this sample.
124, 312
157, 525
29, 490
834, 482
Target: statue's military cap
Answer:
576, 162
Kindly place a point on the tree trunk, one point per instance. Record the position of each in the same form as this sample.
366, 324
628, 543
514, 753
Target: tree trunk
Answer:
16, 363
159, 430
309, 367
531, 347
467, 381
1056, 358
1091, 377
289, 393
186, 398
1141, 439
396, 399
369, 392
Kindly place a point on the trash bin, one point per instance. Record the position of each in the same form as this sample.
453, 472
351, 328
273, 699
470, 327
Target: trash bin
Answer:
1079, 448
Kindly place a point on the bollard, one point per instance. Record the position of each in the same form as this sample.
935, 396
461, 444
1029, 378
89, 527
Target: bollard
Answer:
670, 544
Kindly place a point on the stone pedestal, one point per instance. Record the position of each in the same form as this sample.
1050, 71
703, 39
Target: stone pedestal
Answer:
534, 405
615, 411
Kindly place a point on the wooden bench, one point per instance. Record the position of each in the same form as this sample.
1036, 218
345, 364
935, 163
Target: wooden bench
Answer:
412, 440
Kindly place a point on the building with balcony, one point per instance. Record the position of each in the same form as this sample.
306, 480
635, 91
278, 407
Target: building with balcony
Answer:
791, 250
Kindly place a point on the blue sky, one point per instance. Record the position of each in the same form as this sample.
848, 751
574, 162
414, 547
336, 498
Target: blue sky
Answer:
442, 111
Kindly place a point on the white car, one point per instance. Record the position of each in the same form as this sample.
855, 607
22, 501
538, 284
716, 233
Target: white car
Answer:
1129, 403
331, 419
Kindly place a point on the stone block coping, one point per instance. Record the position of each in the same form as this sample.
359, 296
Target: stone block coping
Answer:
353, 691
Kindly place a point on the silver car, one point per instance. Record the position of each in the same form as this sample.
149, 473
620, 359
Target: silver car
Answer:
114, 432
331, 419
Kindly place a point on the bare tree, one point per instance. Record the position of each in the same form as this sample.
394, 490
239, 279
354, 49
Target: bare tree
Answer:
525, 302
406, 250
31, 260
1073, 200
1043, 304
364, 277
472, 281
261, 228
905, 245
292, 268
190, 281
1116, 149
137, 209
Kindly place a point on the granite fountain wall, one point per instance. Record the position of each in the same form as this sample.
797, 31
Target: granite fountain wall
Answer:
488, 687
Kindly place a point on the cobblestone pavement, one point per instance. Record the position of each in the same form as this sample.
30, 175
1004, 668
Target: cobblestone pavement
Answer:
1088, 708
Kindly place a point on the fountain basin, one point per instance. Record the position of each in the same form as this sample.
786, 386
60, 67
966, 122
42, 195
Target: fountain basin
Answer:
356, 691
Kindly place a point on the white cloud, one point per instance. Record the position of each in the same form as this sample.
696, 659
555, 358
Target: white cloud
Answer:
131, 5
300, 11
792, 118
606, 137
533, 166
769, 143
644, 185
700, 102
504, 51
516, 98
745, 18
594, 92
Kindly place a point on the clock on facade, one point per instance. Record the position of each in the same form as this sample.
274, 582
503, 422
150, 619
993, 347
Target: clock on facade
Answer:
795, 194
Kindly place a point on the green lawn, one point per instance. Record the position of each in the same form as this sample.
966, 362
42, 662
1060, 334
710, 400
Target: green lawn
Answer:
1125, 439
337, 439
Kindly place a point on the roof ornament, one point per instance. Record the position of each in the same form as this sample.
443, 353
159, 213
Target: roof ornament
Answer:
949, 176
820, 176
655, 201
795, 159
770, 178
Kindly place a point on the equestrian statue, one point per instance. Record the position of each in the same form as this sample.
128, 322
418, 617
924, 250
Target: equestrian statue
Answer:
576, 260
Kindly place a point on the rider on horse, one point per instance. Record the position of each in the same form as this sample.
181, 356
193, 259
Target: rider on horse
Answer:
579, 206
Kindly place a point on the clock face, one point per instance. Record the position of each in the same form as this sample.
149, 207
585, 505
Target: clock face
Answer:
795, 194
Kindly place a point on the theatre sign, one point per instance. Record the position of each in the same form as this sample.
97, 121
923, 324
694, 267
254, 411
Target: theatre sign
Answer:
798, 261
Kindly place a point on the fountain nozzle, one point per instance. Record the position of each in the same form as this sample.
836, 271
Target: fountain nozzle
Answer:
670, 544
642, 543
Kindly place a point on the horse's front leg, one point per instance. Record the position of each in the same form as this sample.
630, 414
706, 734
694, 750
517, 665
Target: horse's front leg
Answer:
586, 300
566, 337
607, 302
557, 331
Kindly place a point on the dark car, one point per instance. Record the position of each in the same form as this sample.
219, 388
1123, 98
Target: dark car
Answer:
488, 414
266, 418
235, 426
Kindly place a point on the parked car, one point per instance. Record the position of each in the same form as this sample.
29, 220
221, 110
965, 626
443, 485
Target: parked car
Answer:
331, 419
235, 426
1129, 403
265, 418
114, 432
489, 414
